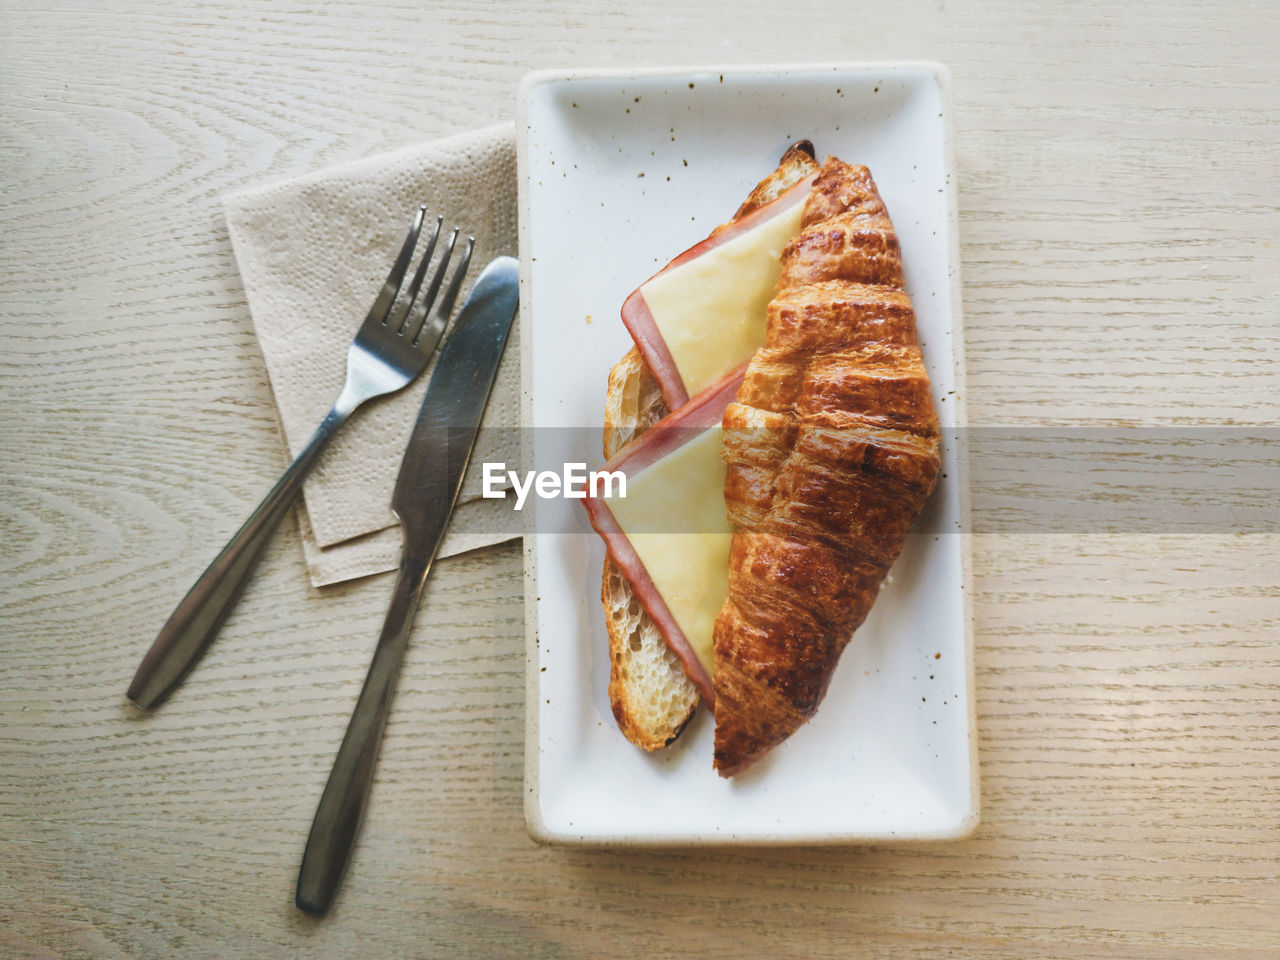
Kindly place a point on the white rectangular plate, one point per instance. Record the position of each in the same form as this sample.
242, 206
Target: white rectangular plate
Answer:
619, 173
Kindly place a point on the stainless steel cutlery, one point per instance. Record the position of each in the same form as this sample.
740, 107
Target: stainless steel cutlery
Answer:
391, 348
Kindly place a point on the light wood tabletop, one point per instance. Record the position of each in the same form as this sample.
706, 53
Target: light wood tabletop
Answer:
1116, 174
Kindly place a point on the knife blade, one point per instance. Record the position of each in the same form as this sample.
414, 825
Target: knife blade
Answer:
431, 473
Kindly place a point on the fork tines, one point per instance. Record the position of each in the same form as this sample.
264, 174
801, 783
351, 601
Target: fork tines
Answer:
409, 319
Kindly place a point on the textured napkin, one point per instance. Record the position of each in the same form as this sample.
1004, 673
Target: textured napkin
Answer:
313, 253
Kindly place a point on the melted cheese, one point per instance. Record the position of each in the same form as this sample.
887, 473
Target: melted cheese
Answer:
674, 516
711, 310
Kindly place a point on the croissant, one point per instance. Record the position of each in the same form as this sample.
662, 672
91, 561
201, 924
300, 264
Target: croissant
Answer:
651, 697
831, 450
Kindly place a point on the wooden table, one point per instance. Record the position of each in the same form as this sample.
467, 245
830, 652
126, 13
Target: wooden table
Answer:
1117, 170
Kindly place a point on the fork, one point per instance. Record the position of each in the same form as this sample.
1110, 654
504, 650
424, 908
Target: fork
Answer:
389, 351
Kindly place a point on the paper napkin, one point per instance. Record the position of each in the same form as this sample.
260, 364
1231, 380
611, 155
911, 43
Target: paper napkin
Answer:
313, 253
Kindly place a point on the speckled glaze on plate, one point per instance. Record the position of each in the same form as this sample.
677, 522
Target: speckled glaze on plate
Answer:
620, 171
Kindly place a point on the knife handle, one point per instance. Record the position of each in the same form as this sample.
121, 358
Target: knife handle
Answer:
198, 618
346, 795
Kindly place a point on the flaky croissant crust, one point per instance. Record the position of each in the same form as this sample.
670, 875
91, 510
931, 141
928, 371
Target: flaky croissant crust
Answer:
831, 450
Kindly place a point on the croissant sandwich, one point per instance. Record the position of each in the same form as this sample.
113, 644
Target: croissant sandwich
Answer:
827, 446
650, 693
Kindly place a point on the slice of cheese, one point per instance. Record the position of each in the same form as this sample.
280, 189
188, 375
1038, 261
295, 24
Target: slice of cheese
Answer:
710, 310
674, 517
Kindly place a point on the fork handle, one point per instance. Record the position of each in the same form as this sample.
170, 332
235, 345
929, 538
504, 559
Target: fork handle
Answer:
346, 795
198, 618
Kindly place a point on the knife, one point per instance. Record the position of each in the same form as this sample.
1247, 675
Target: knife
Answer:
430, 478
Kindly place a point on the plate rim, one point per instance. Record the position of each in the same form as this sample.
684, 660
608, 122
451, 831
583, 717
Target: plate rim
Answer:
537, 829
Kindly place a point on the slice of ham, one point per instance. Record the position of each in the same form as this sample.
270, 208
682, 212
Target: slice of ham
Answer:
639, 321
703, 413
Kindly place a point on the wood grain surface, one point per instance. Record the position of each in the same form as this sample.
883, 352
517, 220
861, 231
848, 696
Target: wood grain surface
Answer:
1117, 168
